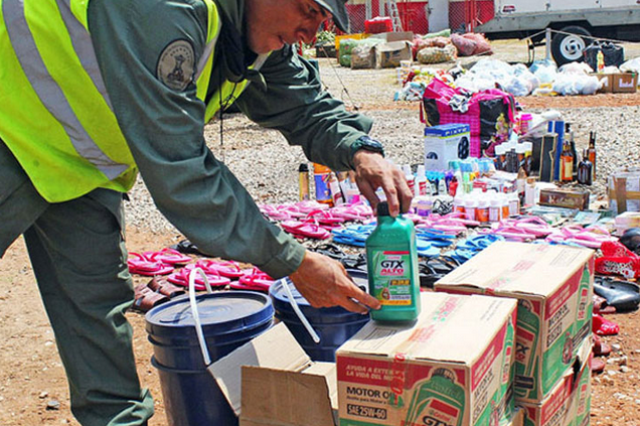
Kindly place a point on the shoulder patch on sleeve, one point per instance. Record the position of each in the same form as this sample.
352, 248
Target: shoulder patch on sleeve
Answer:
176, 65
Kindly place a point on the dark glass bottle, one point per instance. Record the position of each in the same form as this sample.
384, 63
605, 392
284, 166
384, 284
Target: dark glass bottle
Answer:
591, 153
566, 163
585, 170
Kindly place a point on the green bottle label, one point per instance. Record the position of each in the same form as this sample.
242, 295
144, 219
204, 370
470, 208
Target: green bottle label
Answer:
437, 402
392, 277
527, 333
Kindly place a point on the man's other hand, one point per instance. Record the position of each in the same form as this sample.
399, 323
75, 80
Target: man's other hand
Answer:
373, 172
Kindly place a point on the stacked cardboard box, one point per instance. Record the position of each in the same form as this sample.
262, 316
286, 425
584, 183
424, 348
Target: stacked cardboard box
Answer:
554, 289
453, 366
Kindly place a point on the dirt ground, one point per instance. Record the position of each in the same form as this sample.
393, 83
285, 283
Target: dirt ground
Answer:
33, 388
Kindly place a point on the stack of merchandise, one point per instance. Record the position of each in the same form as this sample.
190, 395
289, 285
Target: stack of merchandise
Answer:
416, 374
554, 289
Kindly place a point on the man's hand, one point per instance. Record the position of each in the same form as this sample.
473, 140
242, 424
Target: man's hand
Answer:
324, 283
373, 172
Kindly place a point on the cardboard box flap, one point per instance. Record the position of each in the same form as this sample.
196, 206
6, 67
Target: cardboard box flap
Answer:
454, 329
532, 269
275, 348
288, 398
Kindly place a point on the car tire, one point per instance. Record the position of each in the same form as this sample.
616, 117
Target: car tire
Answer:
567, 48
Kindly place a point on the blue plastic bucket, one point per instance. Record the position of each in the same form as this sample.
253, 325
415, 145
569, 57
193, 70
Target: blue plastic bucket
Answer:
229, 319
333, 325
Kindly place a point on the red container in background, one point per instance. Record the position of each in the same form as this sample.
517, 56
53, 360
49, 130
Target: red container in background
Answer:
379, 24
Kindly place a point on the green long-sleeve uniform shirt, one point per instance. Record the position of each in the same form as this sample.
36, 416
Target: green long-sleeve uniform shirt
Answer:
164, 127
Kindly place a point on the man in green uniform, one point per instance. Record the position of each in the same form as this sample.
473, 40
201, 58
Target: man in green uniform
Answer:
94, 91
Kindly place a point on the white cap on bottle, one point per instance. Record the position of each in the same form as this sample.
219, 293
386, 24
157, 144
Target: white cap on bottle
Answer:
421, 170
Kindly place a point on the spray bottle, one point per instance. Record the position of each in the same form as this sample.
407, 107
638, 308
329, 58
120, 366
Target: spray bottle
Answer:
411, 181
392, 264
421, 181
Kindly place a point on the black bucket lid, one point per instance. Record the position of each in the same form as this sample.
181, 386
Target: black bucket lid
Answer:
319, 315
220, 313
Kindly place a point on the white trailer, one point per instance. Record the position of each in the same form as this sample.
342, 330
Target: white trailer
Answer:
612, 19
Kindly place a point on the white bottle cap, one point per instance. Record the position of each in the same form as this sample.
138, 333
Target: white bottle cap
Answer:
407, 170
421, 170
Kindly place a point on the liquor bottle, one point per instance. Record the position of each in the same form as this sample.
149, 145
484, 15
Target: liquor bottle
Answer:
585, 170
591, 153
566, 163
575, 157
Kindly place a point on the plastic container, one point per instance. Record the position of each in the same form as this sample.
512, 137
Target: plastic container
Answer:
321, 178
229, 320
379, 24
333, 325
421, 181
392, 263
411, 180
303, 182
482, 212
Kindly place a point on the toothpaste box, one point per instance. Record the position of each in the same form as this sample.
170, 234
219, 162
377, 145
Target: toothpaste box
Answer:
452, 367
554, 289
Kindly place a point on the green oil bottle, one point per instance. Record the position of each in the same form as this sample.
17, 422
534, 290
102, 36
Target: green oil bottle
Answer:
392, 264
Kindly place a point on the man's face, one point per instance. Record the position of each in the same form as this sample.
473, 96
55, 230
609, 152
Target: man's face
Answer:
272, 23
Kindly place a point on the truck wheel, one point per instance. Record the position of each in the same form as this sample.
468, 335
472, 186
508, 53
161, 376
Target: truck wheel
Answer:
570, 47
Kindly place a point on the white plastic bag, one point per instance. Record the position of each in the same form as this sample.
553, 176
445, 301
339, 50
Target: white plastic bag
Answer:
632, 65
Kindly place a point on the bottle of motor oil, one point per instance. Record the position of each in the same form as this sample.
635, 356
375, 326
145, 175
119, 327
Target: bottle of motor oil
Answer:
392, 263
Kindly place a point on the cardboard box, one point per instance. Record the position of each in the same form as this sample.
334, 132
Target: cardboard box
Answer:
271, 381
395, 36
453, 366
390, 54
607, 82
554, 288
624, 191
569, 403
444, 143
625, 221
626, 82
569, 199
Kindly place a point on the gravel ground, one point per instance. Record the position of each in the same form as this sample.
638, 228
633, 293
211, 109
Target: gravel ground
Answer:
268, 167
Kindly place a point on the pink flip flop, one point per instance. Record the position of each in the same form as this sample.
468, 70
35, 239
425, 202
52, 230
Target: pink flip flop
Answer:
168, 256
181, 278
275, 212
225, 268
141, 265
305, 229
254, 279
534, 225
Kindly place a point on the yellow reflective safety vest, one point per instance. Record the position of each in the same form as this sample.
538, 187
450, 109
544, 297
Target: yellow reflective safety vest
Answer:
56, 115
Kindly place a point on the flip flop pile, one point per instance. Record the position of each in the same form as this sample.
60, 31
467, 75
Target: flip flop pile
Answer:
469, 247
310, 219
177, 267
151, 264
589, 237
